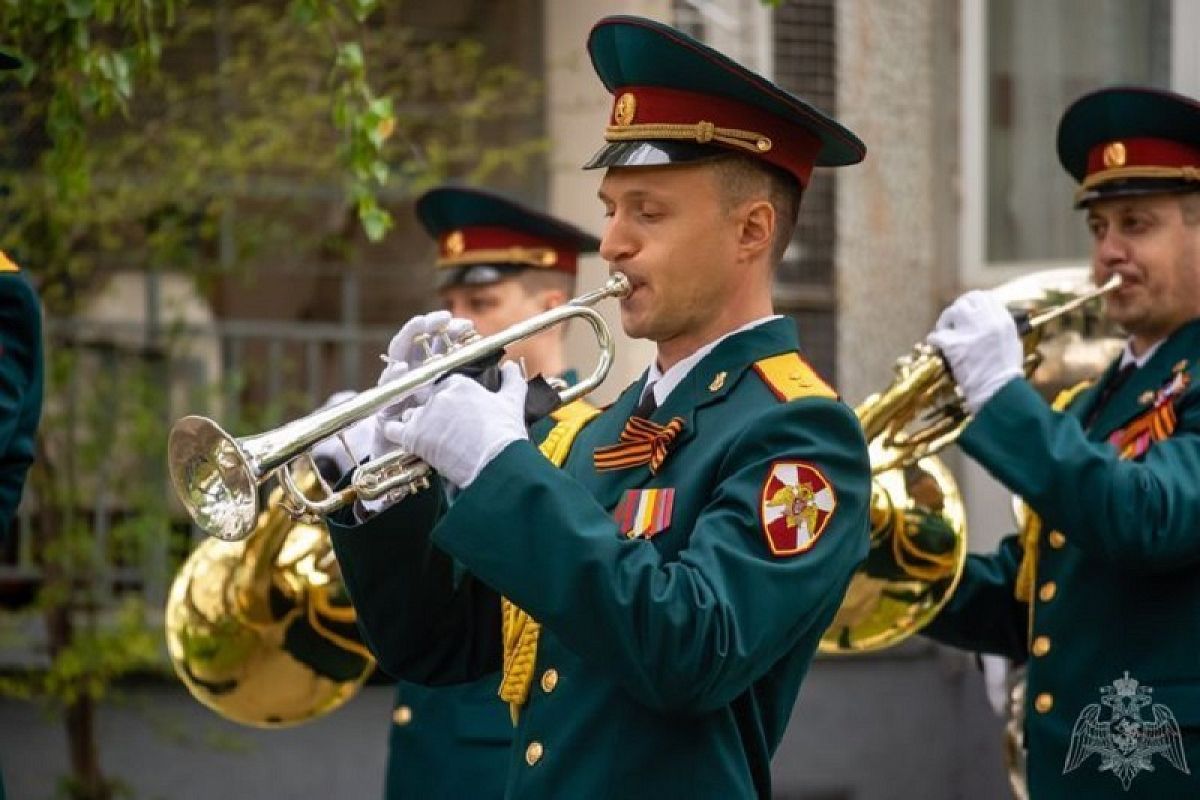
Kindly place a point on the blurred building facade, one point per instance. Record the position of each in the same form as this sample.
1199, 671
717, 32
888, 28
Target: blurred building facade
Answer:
957, 102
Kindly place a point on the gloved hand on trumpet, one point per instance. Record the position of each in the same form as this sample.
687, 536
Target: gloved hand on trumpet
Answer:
978, 337
421, 338
455, 425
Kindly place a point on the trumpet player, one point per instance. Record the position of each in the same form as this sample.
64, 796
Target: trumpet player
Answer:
499, 263
655, 603
1100, 593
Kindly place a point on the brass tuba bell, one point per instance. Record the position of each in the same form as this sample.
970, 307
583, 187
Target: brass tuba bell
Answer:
261, 630
918, 521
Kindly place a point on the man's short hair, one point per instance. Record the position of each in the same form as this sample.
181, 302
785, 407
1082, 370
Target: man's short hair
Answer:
1190, 203
742, 178
536, 280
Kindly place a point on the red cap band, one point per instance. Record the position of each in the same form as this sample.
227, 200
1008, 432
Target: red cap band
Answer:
789, 146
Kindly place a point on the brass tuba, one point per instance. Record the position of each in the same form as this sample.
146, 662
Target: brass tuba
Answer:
918, 522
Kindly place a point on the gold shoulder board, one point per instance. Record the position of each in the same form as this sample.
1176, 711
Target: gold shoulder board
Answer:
6, 263
790, 377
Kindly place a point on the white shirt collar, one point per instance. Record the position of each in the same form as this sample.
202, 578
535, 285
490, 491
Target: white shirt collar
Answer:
1127, 356
663, 383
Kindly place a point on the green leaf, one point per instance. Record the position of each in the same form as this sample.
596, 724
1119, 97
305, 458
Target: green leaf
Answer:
78, 9
363, 8
350, 57
375, 221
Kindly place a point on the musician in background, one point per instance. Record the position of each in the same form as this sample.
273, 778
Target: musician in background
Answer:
666, 588
21, 367
498, 264
20, 376
1100, 593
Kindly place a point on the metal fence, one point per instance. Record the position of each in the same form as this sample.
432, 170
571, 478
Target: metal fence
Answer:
113, 390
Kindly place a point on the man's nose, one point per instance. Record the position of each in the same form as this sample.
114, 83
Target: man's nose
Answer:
617, 244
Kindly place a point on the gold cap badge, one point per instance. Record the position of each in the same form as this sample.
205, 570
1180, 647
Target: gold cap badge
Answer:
1114, 155
455, 243
625, 109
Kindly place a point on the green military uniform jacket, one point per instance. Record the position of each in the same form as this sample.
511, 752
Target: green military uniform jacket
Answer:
20, 386
448, 742
452, 741
668, 663
1117, 591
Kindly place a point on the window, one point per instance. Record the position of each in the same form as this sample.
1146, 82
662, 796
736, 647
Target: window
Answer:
1024, 61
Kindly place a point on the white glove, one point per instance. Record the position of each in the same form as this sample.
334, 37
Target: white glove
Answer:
358, 439
403, 353
404, 348
463, 426
979, 340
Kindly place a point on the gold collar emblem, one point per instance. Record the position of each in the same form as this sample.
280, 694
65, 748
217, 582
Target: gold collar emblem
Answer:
717, 382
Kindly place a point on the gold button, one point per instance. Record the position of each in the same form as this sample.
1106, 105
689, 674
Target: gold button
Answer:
549, 680
1047, 591
533, 753
1057, 540
1041, 645
402, 715
1044, 702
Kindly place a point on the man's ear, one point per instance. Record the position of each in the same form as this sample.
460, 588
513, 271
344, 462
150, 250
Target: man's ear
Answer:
757, 229
551, 298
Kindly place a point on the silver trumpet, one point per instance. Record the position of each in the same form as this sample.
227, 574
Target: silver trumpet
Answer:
217, 476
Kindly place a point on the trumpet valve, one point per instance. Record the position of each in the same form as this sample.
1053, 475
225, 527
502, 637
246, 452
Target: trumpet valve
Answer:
425, 342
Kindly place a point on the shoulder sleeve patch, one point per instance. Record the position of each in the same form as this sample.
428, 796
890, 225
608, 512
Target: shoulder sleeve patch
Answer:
797, 503
6, 263
790, 377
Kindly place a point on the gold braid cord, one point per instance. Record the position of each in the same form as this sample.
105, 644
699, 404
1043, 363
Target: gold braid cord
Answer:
701, 132
1031, 529
532, 256
519, 631
1123, 173
916, 562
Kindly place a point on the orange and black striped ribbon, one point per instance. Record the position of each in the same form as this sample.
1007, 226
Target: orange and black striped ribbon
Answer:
1135, 438
642, 442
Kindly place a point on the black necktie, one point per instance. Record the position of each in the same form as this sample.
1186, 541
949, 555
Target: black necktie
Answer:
1108, 390
648, 404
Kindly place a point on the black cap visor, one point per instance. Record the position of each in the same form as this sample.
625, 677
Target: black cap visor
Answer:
475, 275
653, 153
1135, 187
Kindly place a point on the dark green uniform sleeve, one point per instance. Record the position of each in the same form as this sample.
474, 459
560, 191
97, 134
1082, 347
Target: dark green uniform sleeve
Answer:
1140, 513
983, 615
422, 617
20, 389
689, 634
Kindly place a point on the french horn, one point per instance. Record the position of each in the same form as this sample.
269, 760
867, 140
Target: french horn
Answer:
918, 520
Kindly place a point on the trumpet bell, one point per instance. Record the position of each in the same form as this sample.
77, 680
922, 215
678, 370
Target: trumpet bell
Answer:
212, 478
